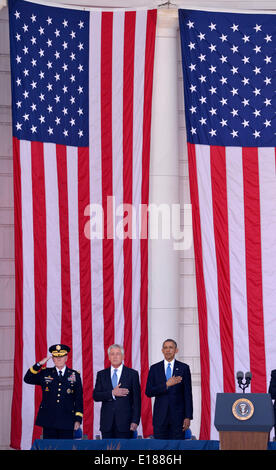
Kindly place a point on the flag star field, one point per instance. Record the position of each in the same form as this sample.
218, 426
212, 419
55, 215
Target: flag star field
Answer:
50, 66
229, 76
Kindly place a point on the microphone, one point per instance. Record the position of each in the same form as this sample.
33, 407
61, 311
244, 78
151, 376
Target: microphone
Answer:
243, 384
248, 377
239, 377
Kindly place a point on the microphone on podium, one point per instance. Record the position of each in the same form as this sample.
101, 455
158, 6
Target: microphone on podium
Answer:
243, 384
240, 376
248, 377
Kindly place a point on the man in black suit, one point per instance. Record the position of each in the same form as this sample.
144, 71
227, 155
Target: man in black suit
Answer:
61, 408
118, 388
272, 391
169, 381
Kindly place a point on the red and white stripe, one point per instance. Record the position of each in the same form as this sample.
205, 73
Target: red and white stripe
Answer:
87, 293
233, 195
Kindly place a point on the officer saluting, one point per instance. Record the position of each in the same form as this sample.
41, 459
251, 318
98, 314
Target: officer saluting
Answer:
61, 408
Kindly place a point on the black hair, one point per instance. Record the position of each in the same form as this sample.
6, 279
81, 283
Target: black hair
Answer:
171, 340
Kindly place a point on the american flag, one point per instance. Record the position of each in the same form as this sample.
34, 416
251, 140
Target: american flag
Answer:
81, 105
229, 63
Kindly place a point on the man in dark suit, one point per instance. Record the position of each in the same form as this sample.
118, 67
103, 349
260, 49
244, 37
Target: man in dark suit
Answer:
118, 388
169, 381
61, 409
272, 391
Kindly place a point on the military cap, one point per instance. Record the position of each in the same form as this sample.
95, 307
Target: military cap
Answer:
59, 350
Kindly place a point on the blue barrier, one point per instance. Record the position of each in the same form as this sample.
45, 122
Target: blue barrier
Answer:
123, 444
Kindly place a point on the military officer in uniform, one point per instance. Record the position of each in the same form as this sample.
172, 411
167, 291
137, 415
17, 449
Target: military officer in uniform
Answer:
61, 409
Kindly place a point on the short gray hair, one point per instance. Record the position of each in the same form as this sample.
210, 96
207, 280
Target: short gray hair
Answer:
117, 346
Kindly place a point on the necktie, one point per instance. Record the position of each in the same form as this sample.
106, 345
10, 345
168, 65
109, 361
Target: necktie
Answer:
60, 373
114, 379
168, 371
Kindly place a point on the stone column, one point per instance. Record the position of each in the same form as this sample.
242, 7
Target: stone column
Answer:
164, 188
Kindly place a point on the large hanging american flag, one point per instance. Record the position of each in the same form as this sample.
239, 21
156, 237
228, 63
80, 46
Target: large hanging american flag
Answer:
229, 62
81, 105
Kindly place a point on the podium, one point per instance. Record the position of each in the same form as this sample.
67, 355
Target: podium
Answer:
244, 421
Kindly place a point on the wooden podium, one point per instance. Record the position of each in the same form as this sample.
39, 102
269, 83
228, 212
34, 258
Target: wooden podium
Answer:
244, 421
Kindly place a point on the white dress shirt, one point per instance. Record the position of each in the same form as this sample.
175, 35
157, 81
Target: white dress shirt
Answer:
62, 370
119, 372
166, 365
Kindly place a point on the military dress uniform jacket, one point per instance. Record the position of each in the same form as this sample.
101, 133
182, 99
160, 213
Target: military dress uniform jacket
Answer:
62, 397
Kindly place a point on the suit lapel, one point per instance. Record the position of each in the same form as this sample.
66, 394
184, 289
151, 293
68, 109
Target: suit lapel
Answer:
162, 370
123, 375
108, 377
176, 368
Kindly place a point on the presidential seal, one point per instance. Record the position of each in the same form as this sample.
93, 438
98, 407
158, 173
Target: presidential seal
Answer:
243, 409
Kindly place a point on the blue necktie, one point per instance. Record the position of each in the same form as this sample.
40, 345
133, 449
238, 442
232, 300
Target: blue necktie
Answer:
168, 371
114, 379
